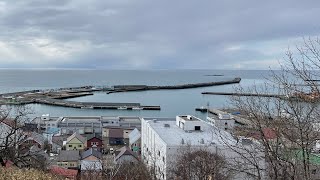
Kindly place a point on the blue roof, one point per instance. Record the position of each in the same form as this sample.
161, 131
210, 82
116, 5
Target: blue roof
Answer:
52, 130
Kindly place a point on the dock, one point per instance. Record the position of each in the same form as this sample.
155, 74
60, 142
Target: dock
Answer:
96, 105
213, 111
127, 88
55, 97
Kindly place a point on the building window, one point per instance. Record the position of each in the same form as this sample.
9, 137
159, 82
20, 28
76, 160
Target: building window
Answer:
163, 158
158, 153
226, 123
197, 128
225, 129
94, 143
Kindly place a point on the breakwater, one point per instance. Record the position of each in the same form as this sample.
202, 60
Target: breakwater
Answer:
96, 105
126, 88
243, 94
54, 97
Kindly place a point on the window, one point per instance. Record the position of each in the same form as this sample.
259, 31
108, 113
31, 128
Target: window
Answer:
226, 123
163, 158
70, 145
158, 153
314, 171
79, 145
197, 128
95, 143
225, 129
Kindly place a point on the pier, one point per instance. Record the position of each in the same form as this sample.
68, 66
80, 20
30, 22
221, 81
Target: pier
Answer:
96, 105
243, 94
54, 97
126, 88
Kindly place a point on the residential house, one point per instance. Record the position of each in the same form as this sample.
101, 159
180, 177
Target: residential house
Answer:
91, 162
33, 139
70, 174
69, 159
115, 137
91, 155
76, 142
94, 141
34, 157
125, 154
135, 141
57, 144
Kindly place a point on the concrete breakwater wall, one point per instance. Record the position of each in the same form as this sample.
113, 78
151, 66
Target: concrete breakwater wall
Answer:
54, 97
96, 105
242, 94
125, 88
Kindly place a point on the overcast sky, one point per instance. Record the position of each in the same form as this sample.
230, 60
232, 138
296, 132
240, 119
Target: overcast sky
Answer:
152, 34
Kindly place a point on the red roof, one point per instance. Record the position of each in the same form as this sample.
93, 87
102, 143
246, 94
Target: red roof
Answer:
268, 133
9, 122
8, 163
69, 173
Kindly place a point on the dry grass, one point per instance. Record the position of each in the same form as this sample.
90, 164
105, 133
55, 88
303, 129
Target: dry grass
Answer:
25, 174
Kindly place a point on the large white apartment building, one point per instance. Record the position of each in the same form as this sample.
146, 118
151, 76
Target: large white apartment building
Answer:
162, 140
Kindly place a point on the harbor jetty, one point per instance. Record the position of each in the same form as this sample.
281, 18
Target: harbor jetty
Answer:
55, 97
243, 94
126, 88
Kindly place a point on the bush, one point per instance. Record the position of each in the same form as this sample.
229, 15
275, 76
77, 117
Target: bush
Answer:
25, 174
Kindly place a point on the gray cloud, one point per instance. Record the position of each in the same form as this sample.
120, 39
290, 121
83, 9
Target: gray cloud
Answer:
141, 34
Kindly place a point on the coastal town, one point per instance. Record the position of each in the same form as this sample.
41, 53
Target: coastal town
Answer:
159, 90
79, 147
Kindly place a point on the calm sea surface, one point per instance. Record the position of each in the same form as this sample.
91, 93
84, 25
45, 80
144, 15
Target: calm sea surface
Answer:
172, 102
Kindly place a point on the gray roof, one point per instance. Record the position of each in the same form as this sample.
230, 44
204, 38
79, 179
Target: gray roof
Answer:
134, 136
78, 136
72, 155
125, 150
116, 133
58, 140
40, 139
92, 152
93, 135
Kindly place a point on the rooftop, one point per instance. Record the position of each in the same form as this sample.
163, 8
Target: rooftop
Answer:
72, 155
172, 135
69, 173
78, 136
189, 118
91, 152
125, 150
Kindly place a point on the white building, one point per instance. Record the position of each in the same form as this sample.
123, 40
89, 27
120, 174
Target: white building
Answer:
221, 119
162, 140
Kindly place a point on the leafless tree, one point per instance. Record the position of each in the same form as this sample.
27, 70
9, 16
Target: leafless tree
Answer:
284, 124
127, 171
199, 164
12, 120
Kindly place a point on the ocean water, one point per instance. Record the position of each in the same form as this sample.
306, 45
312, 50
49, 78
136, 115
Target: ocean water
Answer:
172, 102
